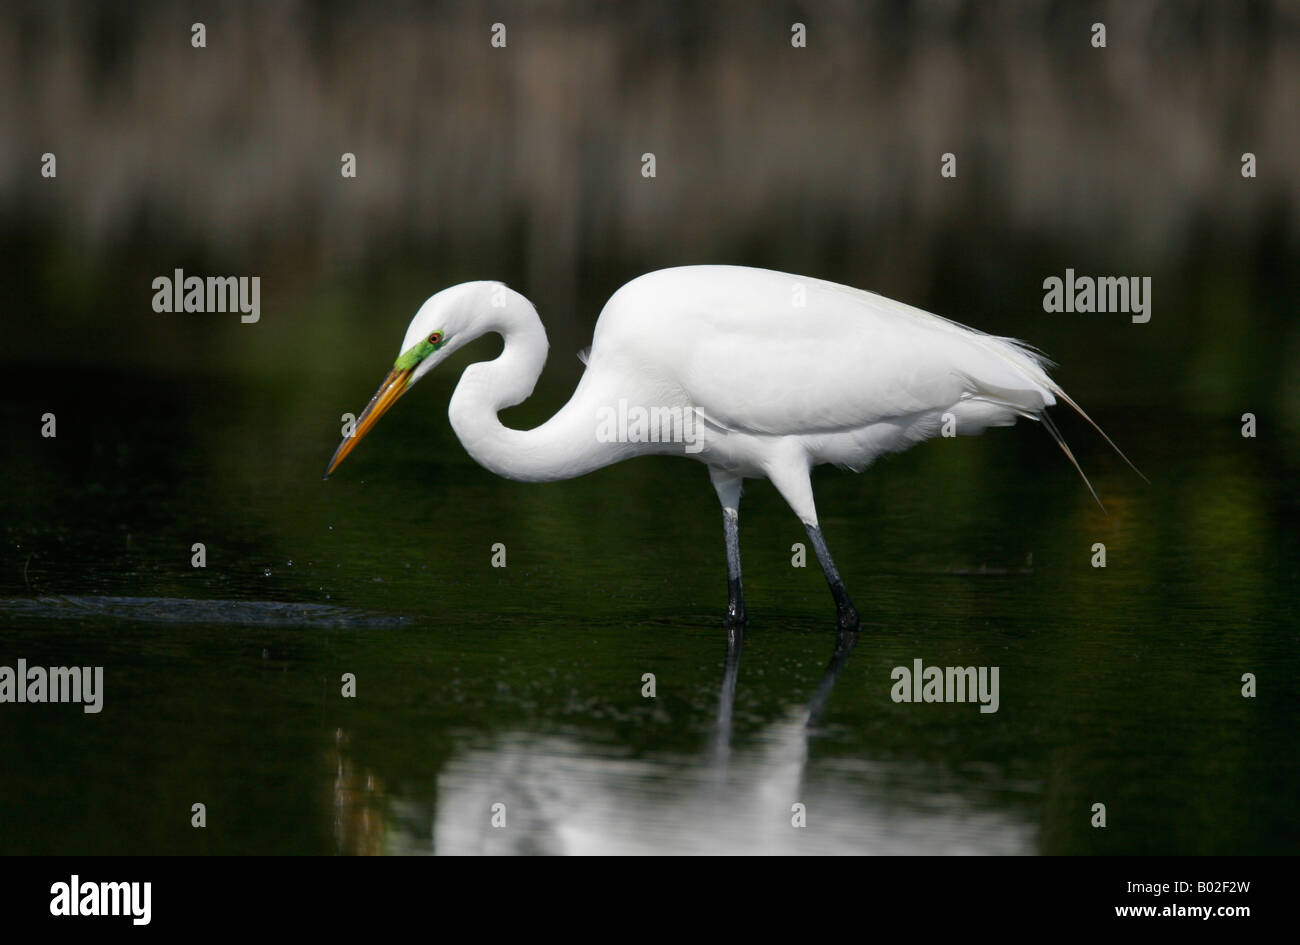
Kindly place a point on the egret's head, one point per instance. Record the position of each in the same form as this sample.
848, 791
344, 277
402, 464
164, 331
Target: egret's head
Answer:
442, 325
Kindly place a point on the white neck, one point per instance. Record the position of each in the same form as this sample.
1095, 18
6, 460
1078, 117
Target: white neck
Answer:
563, 447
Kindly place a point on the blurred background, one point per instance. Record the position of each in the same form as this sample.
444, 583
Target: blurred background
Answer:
524, 164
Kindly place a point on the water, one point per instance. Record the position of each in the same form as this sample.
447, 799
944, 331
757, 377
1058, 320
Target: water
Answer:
522, 685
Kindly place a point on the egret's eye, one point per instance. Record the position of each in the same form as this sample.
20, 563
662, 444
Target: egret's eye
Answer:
435, 338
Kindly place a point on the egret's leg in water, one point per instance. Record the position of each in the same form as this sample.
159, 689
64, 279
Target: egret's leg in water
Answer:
728, 488
847, 614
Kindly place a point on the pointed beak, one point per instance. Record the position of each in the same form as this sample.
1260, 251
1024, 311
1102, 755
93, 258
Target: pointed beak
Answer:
389, 393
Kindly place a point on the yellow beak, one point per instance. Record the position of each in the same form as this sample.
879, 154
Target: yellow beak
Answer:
389, 393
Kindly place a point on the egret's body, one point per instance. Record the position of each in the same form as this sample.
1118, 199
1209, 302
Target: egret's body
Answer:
770, 373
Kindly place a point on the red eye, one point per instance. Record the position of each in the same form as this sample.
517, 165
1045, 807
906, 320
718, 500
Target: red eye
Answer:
435, 338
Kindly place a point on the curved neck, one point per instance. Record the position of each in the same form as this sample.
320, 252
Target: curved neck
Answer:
563, 447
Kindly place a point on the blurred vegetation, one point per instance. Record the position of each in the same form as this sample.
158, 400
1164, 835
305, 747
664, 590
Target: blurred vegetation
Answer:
524, 163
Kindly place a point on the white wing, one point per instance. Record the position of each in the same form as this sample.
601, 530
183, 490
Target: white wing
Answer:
771, 353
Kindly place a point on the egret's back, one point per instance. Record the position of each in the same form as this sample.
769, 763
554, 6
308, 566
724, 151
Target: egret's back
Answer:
769, 353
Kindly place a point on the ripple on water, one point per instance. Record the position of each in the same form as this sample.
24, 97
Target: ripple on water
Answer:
188, 610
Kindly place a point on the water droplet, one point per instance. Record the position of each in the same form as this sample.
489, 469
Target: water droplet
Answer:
266, 573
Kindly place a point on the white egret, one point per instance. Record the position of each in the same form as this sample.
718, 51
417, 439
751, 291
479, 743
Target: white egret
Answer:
753, 372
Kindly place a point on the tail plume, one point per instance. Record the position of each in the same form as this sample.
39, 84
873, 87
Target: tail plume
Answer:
1050, 426
1079, 410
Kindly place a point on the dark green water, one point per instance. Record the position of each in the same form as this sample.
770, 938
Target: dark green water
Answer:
522, 685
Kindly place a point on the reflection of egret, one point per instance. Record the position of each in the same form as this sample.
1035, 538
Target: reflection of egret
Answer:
795, 757
845, 641
844, 644
727, 699
756, 373
566, 796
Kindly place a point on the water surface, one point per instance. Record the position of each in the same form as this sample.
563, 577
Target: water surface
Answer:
522, 686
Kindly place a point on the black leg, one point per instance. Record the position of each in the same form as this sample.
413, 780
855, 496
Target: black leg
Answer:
847, 614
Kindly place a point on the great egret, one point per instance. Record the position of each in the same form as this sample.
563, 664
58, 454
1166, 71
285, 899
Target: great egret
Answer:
753, 372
